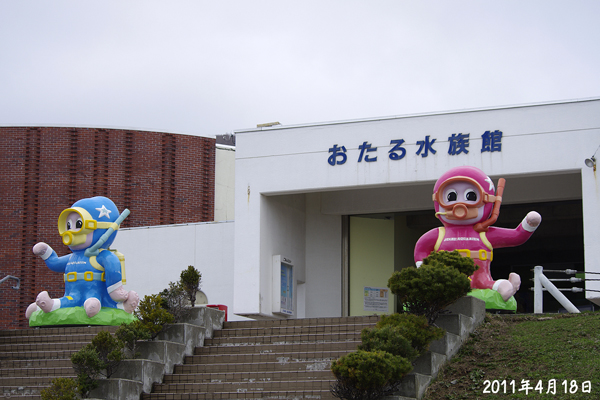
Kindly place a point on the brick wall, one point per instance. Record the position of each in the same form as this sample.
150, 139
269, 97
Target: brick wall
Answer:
161, 178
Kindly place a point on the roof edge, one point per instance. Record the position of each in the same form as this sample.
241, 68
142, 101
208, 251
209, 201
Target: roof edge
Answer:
425, 114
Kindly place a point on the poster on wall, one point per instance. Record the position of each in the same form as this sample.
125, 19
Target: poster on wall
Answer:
375, 299
287, 289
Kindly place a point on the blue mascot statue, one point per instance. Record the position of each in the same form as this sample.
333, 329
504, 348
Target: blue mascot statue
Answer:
93, 273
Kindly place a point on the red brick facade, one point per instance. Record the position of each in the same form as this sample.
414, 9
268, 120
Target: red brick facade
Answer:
161, 178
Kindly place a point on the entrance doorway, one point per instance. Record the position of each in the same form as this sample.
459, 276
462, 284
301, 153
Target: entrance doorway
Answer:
379, 244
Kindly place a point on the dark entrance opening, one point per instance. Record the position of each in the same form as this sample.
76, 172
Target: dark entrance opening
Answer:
556, 245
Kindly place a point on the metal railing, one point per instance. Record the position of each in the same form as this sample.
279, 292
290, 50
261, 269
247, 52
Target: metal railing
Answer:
541, 283
7, 277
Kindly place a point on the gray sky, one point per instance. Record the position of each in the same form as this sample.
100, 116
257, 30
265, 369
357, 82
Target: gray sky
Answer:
210, 67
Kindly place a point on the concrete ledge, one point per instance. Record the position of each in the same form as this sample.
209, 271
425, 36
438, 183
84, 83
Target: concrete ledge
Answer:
145, 371
184, 333
122, 389
448, 345
429, 364
457, 324
166, 353
469, 306
210, 318
414, 385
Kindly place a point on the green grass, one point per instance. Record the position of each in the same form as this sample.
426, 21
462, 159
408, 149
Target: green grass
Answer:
538, 349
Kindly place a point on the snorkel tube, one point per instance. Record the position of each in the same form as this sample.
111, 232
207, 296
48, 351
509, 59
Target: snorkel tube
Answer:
94, 250
483, 226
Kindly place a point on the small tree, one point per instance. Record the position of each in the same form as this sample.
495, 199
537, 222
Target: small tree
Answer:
109, 351
389, 339
414, 328
368, 375
190, 282
60, 389
130, 334
442, 279
152, 315
87, 366
174, 301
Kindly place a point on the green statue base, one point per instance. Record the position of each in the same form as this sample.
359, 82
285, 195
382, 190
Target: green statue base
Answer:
493, 300
77, 316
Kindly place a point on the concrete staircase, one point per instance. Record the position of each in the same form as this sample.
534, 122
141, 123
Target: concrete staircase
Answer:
464, 316
31, 358
282, 359
278, 359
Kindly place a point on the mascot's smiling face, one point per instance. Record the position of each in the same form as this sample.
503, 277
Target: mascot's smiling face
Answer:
86, 221
463, 196
460, 204
80, 240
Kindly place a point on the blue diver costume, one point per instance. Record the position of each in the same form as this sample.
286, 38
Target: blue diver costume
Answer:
92, 270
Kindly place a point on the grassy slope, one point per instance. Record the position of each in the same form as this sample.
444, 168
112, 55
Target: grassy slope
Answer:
525, 347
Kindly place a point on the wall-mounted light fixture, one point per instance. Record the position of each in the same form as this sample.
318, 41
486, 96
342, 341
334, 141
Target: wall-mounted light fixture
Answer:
591, 162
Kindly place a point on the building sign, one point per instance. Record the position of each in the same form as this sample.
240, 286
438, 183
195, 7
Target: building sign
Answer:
284, 282
287, 289
375, 299
457, 143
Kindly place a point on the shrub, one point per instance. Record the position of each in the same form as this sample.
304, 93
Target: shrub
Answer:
152, 315
87, 366
389, 339
413, 328
174, 301
434, 286
60, 389
190, 283
129, 334
464, 265
365, 375
109, 351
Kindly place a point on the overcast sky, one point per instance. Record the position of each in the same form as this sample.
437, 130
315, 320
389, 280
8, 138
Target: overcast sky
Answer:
211, 67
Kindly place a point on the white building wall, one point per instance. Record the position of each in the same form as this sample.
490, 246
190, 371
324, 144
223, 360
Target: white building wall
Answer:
224, 183
540, 143
156, 255
323, 260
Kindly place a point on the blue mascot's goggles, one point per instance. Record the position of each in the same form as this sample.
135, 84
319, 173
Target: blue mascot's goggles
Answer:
85, 224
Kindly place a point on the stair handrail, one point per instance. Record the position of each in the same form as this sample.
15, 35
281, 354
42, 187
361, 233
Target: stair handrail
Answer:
541, 282
7, 277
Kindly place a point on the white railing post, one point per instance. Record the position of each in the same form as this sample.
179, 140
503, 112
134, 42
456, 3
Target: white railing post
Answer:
540, 282
562, 299
538, 291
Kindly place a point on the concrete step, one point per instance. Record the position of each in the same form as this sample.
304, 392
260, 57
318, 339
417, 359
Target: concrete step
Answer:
429, 364
368, 319
28, 372
264, 358
231, 395
251, 376
285, 364
457, 324
34, 363
448, 345
56, 331
41, 380
50, 354
277, 348
246, 386
40, 347
29, 339
24, 392
304, 338
296, 330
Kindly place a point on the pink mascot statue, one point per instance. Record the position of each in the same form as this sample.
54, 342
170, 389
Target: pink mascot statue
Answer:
465, 201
